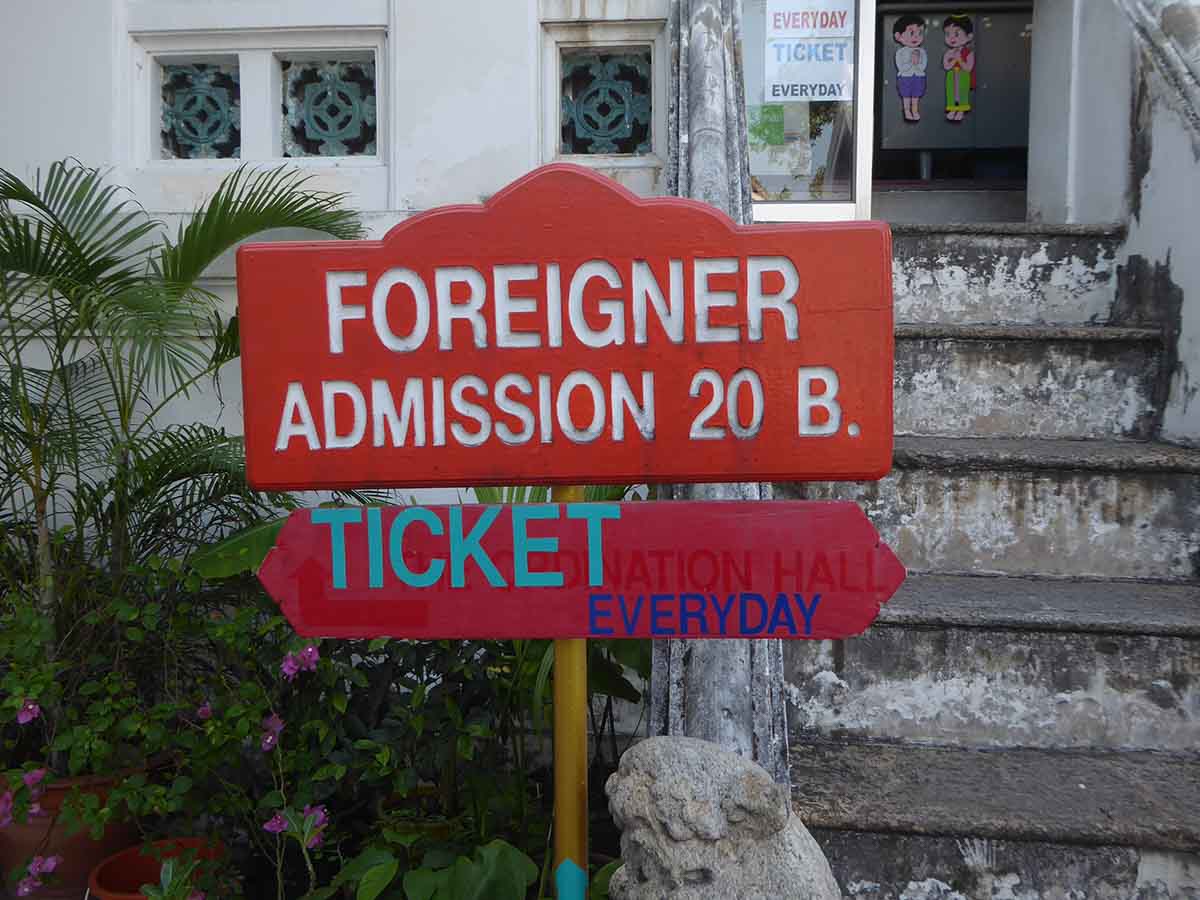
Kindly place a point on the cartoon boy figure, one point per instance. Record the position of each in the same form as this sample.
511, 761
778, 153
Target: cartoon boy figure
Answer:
911, 62
959, 63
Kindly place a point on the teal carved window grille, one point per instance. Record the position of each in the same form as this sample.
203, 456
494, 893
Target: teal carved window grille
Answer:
201, 112
606, 101
328, 108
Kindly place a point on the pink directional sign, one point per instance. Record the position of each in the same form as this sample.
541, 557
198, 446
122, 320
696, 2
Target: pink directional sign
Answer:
573, 570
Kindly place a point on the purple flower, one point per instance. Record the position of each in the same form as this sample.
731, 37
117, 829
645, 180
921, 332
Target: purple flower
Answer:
272, 728
6, 806
35, 809
277, 824
43, 865
319, 814
204, 711
316, 817
28, 885
308, 658
34, 777
290, 667
29, 711
196, 895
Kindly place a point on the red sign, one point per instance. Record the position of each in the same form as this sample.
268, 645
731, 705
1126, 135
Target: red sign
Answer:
673, 569
568, 331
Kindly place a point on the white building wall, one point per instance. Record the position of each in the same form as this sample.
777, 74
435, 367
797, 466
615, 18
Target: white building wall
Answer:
1164, 235
1079, 115
57, 58
462, 87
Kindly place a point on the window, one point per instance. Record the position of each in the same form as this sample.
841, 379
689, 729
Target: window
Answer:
201, 114
604, 89
329, 107
809, 73
204, 101
606, 101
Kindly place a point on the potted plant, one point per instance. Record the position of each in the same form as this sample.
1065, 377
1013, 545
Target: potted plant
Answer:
103, 325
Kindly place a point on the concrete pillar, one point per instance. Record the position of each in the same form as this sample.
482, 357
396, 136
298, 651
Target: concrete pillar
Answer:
1080, 111
726, 691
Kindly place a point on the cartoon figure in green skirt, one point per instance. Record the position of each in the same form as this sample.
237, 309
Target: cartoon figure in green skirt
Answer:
959, 63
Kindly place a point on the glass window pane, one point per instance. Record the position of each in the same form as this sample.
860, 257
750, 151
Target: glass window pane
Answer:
606, 101
328, 108
201, 113
800, 89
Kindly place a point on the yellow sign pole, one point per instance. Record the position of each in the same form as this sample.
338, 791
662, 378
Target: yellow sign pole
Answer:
570, 753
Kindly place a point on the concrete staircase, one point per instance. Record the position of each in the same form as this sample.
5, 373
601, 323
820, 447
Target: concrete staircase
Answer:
1024, 719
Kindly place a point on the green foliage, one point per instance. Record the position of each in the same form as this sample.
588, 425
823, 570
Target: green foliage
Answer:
239, 553
386, 769
102, 325
175, 881
598, 889
497, 871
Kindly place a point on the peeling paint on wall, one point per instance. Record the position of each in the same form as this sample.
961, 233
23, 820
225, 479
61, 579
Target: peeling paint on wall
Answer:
1002, 278
1058, 523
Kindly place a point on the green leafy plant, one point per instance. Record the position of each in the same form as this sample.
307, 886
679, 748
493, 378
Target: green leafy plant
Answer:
497, 871
103, 325
175, 881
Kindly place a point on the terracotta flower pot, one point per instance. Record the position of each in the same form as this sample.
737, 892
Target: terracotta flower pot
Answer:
121, 875
46, 836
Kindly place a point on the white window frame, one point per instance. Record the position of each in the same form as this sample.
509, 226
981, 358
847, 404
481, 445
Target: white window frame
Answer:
864, 142
258, 52
575, 33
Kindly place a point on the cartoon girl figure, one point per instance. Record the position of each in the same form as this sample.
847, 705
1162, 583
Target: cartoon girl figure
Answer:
911, 62
959, 63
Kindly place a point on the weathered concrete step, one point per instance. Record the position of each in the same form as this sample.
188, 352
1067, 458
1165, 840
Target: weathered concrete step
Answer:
1045, 455
1127, 798
1099, 509
876, 866
960, 274
1045, 604
999, 688
1072, 381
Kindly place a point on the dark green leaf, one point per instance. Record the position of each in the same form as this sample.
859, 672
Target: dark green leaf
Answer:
376, 879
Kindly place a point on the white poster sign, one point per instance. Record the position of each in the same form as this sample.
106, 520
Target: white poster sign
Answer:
809, 51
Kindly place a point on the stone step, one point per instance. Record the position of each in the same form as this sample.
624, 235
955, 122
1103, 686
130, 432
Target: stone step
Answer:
1027, 380
1011, 662
872, 865
1127, 798
1099, 509
1046, 604
1010, 273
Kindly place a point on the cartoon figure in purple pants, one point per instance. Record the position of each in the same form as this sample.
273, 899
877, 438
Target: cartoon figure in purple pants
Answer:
911, 61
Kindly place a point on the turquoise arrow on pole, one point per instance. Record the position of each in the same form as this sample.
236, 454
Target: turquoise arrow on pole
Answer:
570, 881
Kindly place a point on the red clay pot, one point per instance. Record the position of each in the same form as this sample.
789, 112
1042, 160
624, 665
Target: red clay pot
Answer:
121, 875
46, 836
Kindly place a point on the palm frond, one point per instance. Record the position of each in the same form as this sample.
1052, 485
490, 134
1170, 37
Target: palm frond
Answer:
73, 227
185, 486
246, 203
159, 329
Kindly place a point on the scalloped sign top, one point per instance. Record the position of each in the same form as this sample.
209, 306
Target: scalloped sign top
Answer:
567, 331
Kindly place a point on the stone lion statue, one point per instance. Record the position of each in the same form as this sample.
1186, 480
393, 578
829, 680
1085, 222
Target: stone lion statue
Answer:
701, 823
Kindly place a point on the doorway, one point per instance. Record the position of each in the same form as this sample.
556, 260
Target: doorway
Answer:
951, 109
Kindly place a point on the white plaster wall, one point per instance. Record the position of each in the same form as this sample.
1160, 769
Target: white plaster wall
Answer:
1050, 76
1166, 232
1082, 75
466, 75
57, 62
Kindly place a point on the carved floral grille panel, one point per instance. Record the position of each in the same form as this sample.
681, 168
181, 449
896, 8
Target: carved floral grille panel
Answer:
606, 101
201, 111
328, 108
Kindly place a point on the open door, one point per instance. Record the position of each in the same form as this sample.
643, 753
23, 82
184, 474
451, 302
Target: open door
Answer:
809, 71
